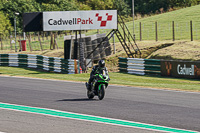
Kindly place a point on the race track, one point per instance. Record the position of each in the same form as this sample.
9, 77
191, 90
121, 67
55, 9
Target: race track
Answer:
173, 109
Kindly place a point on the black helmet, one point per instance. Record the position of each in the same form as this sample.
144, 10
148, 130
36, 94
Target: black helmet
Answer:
101, 63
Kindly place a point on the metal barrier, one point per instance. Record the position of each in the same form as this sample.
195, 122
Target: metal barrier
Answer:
139, 66
51, 64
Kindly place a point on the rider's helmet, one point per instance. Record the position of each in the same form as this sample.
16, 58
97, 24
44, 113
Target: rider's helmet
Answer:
101, 63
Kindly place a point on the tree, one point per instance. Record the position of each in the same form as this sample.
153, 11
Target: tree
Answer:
150, 6
99, 4
59, 5
22, 6
10, 7
83, 6
122, 7
5, 25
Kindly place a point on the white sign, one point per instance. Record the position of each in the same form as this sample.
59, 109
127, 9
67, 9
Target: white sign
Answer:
185, 70
79, 20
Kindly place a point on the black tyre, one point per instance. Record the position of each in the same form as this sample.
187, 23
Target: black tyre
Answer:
90, 95
101, 92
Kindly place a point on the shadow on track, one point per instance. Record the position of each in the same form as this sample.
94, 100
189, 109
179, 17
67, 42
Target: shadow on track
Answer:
74, 100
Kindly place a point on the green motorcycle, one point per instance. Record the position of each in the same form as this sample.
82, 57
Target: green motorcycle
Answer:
98, 86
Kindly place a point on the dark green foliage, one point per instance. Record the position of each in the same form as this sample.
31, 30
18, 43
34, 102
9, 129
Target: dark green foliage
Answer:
124, 7
10, 7
5, 25
153, 6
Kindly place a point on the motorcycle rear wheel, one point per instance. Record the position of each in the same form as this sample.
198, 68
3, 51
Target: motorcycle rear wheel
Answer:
101, 92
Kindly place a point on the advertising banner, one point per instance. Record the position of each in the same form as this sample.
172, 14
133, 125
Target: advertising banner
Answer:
79, 20
185, 69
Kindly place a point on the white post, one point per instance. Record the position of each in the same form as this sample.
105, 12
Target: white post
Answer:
72, 43
15, 33
114, 50
16, 13
24, 35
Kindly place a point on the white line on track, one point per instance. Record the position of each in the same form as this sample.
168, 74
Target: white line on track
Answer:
86, 115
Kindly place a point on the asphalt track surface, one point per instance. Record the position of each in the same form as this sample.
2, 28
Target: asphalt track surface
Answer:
174, 109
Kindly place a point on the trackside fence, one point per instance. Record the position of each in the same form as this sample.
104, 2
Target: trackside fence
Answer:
139, 66
51, 64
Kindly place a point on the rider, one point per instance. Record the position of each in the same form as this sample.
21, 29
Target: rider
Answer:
95, 70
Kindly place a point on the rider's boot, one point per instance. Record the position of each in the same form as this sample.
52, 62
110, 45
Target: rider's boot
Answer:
89, 86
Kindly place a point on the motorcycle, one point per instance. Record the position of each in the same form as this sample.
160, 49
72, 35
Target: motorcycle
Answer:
98, 86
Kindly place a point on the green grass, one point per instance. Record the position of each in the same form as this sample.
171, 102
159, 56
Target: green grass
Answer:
181, 18
116, 78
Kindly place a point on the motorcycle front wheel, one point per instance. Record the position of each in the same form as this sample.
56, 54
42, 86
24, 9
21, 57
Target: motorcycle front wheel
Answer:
101, 92
90, 94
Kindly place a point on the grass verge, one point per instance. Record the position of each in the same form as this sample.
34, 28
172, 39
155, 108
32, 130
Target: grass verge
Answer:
116, 78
